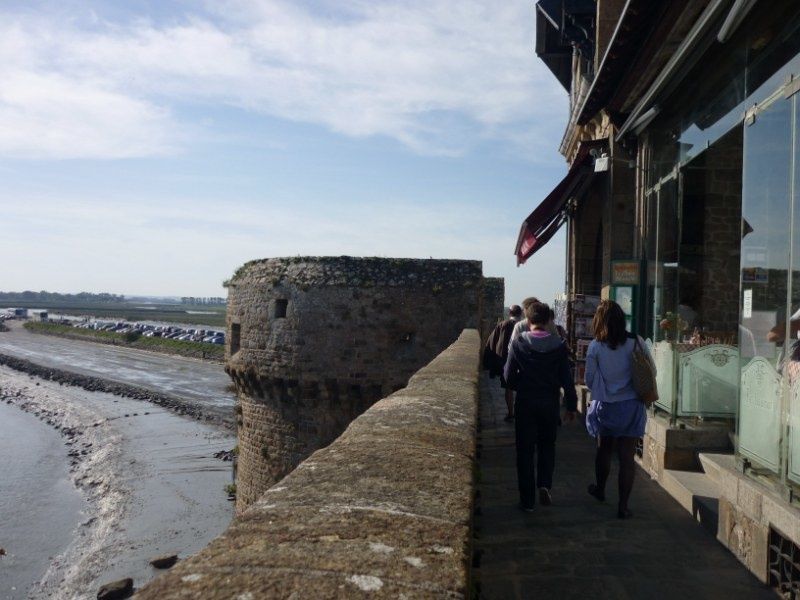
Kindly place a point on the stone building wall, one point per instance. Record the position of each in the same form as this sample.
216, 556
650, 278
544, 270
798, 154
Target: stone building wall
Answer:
588, 243
313, 342
493, 306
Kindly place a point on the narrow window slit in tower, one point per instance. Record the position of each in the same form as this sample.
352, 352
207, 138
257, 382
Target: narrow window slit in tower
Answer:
236, 337
280, 308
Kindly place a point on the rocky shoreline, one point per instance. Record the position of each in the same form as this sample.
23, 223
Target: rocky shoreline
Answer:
222, 418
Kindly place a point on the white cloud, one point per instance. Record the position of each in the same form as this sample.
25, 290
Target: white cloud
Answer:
438, 76
47, 115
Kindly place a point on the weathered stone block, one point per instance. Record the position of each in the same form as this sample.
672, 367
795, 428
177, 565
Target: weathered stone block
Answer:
759, 557
781, 516
749, 501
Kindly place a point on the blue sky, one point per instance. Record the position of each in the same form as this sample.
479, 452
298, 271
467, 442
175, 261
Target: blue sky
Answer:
152, 147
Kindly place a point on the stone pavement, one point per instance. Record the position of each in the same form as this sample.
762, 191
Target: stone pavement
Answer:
577, 548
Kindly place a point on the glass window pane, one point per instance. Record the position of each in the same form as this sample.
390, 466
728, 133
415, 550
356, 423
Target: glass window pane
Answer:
665, 306
791, 363
766, 230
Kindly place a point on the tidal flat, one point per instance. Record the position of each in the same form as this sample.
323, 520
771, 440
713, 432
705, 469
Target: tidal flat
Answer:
96, 485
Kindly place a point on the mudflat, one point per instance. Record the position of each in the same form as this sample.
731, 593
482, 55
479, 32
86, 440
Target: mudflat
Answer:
149, 482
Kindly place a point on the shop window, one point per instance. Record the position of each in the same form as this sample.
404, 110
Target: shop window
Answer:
692, 246
765, 274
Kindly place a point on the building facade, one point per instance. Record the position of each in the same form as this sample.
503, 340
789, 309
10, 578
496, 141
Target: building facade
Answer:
682, 202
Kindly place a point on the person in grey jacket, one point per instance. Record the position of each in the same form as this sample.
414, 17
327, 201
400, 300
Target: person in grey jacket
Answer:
538, 369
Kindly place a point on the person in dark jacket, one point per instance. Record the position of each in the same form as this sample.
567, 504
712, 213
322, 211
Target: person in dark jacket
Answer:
495, 353
538, 369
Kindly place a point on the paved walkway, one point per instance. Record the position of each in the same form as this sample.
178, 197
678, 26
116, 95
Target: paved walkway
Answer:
577, 548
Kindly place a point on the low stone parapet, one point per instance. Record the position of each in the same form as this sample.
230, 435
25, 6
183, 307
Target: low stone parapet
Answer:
384, 511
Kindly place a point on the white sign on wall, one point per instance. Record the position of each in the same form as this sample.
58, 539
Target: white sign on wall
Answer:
747, 304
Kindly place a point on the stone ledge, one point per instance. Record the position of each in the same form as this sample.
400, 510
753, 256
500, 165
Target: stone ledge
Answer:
384, 511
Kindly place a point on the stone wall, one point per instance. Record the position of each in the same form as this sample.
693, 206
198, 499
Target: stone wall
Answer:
383, 512
747, 512
587, 233
675, 448
493, 306
313, 342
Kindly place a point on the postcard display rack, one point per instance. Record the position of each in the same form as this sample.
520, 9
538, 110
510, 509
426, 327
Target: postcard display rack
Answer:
581, 312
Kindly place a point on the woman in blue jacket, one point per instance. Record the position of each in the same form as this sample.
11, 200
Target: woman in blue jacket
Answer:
617, 415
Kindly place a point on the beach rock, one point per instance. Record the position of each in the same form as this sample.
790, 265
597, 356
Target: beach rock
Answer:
164, 561
2, 551
116, 589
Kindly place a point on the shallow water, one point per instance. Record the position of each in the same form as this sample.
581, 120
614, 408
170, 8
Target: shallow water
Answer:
39, 506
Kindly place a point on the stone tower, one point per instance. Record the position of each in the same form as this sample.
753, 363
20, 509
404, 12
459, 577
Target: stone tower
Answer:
314, 341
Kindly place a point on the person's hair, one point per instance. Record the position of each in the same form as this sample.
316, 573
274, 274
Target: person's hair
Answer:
609, 324
515, 311
528, 301
538, 313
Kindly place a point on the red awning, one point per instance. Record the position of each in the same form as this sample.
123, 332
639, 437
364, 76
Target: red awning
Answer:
547, 218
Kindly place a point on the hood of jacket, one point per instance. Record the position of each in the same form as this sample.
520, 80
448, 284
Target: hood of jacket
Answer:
539, 350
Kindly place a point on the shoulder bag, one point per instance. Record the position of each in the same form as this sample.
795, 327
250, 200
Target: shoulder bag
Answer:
643, 374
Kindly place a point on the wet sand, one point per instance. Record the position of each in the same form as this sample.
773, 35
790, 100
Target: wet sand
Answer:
149, 479
204, 383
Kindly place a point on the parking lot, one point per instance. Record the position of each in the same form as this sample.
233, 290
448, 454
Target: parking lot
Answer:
171, 332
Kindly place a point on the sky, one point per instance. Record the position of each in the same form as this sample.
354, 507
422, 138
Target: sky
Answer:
150, 147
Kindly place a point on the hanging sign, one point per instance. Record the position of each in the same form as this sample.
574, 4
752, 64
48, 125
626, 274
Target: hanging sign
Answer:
625, 272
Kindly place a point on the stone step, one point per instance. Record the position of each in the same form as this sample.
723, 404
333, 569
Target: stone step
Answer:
713, 463
697, 493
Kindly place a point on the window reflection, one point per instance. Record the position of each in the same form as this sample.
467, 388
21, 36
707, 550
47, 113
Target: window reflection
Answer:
766, 232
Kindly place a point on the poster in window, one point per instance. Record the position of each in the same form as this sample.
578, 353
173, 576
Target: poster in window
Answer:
585, 305
583, 327
624, 297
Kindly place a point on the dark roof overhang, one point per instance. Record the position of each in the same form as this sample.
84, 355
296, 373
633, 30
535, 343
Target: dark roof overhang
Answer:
640, 45
561, 27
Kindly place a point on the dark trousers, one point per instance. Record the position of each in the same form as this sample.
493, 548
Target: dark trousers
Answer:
536, 424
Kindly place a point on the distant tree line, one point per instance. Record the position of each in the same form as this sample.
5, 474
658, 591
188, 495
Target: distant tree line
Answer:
43, 296
210, 300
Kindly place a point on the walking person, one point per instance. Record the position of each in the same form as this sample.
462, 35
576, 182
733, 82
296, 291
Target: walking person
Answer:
522, 325
617, 416
495, 353
538, 369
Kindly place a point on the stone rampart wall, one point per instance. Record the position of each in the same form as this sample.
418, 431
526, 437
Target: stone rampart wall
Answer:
493, 307
383, 512
315, 341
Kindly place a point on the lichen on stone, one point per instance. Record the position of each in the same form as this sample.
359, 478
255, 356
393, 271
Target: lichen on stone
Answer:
366, 583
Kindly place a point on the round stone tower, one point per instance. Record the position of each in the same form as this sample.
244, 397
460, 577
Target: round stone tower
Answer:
313, 342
